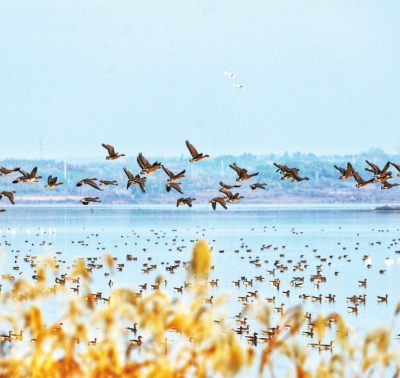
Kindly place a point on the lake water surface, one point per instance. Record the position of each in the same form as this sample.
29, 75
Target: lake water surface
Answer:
340, 234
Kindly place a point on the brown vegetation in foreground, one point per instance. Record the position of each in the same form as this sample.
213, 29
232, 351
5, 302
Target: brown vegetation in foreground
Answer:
206, 348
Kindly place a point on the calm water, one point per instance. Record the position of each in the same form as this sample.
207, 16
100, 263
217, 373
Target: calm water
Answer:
158, 231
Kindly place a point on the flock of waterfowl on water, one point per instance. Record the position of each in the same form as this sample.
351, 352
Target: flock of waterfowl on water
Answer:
251, 288
379, 176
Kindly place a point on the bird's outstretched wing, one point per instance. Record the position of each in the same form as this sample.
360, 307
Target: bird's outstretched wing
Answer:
222, 202
176, 186
93, 185
236, 168
33, 173
129, 174
340, 169
109, 148
143, 162
142, 185
191, 148
373, 166
167, 171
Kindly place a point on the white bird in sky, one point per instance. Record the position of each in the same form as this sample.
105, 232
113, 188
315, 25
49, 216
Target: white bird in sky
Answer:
238, 86
228, 74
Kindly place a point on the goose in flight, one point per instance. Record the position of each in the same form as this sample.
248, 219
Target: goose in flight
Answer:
86, 200
238, 86
229, 74
52, 182
89, 181
27, 177
195, 155
284, 169
388, 185
360, 181
106, 183
9, 195
242, 173
185, 201
383, 177
231, 197
112, 155
147, 168
257, 185
6, 172
173, 177
174, 185
228, 187
294, 177
135, 180
220, 200
376, 170
346, 173
397, 166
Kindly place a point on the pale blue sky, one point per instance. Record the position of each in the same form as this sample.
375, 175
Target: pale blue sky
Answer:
144, 76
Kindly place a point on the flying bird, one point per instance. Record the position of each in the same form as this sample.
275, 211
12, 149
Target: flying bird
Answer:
242, 173
228, 74
397, 166
135, 180
52, 182
185, 201
195, 155
174, 185
231, 197
106, 183
112, 155
147, 168
89, 181
360, 181
376, 170
173, 177
9, 195
27, 177
228, 187
6, 172
238, 86
86, 200
220, 200
388, 185
346, 173
257, 185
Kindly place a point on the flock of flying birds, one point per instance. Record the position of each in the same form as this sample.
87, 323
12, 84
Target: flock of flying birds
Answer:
380, 175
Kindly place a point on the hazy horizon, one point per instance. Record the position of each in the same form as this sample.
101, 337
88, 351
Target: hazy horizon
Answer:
143, 76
